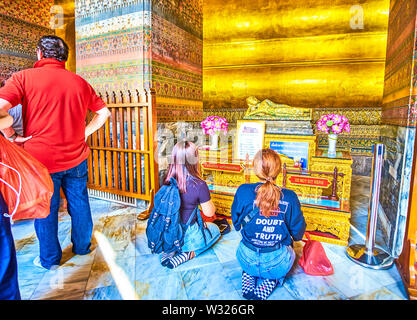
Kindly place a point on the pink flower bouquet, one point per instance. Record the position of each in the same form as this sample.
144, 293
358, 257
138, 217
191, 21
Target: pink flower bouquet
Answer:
333, 124
214, 125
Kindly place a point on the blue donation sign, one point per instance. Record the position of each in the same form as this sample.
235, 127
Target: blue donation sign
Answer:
293, 150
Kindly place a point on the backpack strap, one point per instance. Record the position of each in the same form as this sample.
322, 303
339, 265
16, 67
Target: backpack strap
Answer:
248, 218
202, 225
170, 209
200, 222
190, 219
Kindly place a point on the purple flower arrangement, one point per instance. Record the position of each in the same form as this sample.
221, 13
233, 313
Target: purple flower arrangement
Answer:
333, 124
214, 125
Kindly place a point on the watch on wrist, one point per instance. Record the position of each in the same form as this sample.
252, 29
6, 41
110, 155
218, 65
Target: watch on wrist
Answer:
12, 137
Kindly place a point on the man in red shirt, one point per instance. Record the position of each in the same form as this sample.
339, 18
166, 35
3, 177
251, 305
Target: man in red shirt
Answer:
54, 107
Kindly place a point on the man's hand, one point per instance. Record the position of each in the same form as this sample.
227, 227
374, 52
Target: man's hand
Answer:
6, 120
20, 139
97, 122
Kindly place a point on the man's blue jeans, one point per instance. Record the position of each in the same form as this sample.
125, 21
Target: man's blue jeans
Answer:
9, 288
74, 185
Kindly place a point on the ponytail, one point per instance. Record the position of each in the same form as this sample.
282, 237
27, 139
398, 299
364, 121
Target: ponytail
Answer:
267, 166
267, 198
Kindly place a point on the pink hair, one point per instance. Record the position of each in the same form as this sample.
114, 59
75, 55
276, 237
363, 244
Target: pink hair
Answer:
184, 163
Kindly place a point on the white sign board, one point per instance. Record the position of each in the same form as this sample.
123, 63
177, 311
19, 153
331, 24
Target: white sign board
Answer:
250, 138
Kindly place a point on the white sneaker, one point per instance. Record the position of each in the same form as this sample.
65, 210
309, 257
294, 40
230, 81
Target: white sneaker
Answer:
37, 262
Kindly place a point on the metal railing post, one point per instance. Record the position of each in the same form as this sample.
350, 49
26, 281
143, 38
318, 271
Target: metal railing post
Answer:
368, 255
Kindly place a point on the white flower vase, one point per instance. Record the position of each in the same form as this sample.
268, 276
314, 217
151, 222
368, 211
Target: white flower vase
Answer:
214, 142
331, 152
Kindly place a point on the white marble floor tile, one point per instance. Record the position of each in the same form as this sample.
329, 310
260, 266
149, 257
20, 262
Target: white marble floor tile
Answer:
206, 282
281, 293
64, 283
381, 294
226, 250
170, 287
102, 276
103, 293
306, 287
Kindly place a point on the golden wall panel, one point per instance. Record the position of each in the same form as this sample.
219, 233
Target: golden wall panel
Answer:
307, 50
268, 19
310, 53
321, 85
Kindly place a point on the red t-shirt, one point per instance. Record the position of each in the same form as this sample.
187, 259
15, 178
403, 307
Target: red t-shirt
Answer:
54, 107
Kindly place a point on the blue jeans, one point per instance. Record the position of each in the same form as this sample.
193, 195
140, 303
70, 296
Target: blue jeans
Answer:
194, 240
266, 265
9, 288
74, 185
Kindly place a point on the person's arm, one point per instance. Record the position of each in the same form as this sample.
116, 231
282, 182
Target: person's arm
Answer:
237, 209
208, 208
6, 120
297, 225
97, 122
13, 92
204, 198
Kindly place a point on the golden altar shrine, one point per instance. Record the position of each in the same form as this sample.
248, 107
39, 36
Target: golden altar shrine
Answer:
322, 183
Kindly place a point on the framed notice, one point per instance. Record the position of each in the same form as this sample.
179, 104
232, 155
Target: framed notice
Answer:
293, 150
250, 138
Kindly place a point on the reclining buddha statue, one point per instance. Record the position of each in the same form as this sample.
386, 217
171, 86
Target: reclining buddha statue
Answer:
269, 110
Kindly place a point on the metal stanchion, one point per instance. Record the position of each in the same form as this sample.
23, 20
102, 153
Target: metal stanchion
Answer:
368, 255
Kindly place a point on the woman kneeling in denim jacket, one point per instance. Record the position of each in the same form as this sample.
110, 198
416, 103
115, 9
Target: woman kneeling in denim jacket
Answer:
270, 219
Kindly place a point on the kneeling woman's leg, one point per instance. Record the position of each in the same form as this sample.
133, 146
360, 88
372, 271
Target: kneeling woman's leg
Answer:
264, 289
268, 269
194, 240
212, 234
195, 243
165, 257
180, 258
274, 268
248, 285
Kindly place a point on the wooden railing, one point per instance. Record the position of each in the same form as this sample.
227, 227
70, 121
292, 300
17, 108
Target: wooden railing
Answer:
123, 159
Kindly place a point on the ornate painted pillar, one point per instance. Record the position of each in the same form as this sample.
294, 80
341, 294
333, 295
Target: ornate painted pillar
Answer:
113, 44
134, 44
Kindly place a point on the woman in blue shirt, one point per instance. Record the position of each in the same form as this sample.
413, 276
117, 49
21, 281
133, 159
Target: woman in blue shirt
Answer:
269, 218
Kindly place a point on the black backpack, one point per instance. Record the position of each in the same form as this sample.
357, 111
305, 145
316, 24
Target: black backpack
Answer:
164, 230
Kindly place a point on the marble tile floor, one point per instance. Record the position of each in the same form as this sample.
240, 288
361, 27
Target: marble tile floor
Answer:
122, 266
